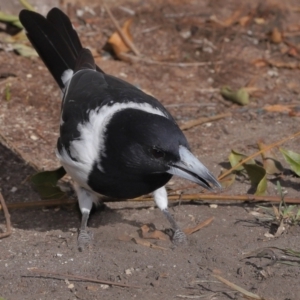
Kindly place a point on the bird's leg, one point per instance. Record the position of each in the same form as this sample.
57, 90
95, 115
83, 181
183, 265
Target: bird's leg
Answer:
161, 200
85, 199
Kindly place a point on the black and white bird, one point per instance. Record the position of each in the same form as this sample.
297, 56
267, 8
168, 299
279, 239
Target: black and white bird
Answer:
115, 140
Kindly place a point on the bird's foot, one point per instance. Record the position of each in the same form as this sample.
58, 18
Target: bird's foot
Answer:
179, 238
84, 239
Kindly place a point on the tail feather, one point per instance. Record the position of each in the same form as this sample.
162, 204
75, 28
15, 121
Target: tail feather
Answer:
85, 60
55, 40
63, 25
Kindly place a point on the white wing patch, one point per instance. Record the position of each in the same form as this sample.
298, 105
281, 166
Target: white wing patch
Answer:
66, 77
91, 144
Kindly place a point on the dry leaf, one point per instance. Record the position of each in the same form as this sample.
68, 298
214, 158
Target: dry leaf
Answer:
280, 229
276, 36
125, 238
116, 41
293, 52
283, 64
259, 21
199, 226
270, 162
147, 244
228, 180
260, 62
233, 18
245, 20
150, 233
295, 112
278, 108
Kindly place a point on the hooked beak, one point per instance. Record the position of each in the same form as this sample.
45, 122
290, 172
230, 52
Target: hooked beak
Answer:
190, 168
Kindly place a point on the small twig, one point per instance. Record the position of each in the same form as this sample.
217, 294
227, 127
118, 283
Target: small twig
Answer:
7, 218
258, 153
131, 58
126, 41
238, 288
75, 277
184, 197
199, 121
190, 104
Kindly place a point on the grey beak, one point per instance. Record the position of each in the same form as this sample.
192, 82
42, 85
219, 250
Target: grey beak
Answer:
190, 168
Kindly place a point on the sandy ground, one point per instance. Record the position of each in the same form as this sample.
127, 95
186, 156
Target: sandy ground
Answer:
169, 31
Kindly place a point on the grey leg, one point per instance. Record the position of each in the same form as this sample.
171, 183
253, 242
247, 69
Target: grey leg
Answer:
161, 200
86, 200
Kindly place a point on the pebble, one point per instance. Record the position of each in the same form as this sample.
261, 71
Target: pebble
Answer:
104, 286
213, 205
13, 189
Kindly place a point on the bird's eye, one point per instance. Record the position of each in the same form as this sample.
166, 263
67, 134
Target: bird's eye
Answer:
157, 153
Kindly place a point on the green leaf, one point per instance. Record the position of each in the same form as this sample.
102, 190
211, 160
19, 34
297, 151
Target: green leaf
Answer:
258, 177
24, 50
236, 157
293, 159
45, 183
240, 96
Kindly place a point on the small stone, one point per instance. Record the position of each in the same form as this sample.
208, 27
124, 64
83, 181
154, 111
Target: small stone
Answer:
104, 286
273, 73
59, 255
34, 137
186, 34
150, 267
128, 272
13, 189
213, 205
29, 75
71, 286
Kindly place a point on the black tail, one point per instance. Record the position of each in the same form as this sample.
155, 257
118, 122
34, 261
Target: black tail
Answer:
55, 40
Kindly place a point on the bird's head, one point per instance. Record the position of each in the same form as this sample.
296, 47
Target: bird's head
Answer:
152, 144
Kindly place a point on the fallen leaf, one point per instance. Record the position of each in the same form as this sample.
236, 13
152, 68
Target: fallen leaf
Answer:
258, 178
147, 244
245, 20
24, 50
283, 64
150, 233
276, 36
116, 41
259, 21
228, 180
189, 231
235, 16
45, 183
240, 96
280, 229
260, 62
270, 162
293, 52
236, 157
293, 159
93, 288
125, 238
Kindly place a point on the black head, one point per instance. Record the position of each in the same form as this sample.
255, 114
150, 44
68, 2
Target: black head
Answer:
142, 143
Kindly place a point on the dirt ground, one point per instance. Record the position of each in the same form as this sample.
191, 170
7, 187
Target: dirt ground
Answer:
241, 55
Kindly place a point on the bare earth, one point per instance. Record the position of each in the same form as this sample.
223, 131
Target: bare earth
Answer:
173, 31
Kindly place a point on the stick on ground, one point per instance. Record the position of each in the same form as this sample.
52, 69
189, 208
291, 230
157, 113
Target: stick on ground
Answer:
7, 219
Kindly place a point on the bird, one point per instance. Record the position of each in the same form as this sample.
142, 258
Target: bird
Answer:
115, 140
